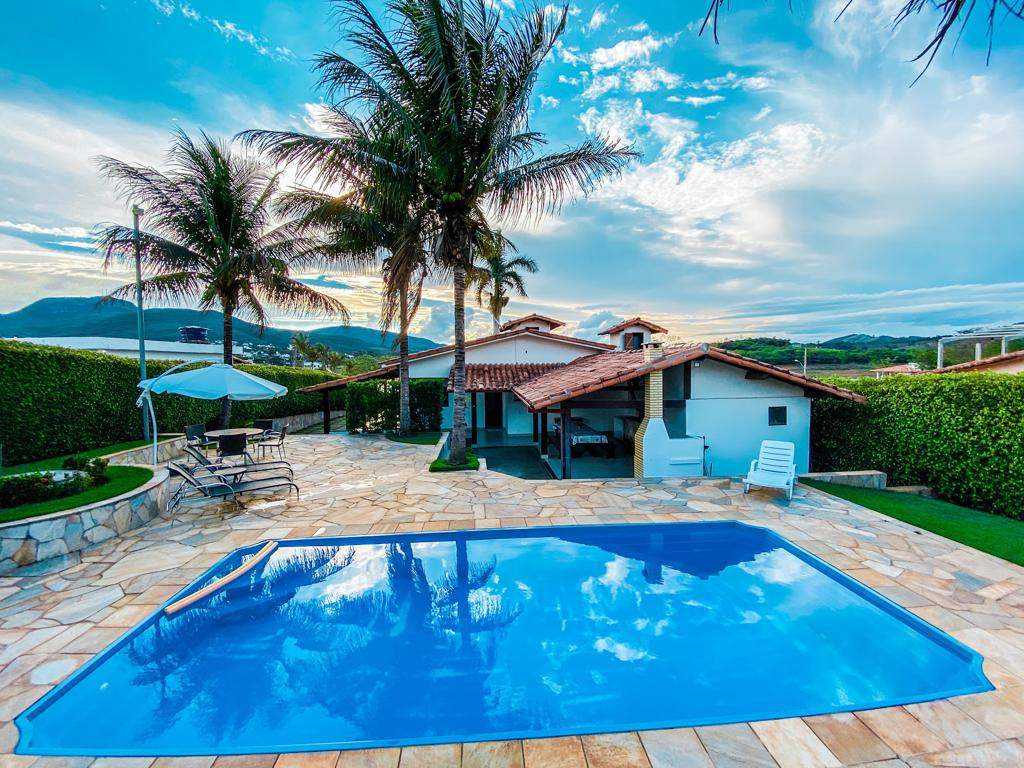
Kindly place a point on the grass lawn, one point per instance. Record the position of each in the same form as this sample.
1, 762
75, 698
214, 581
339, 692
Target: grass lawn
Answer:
443, 465
56, 462
995, 534
419, 438
122, 480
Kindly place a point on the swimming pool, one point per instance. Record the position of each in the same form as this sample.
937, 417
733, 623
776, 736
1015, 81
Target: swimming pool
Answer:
477, 635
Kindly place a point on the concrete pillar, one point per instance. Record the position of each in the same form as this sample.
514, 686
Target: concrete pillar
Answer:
977, 350
938, 359
1002, 346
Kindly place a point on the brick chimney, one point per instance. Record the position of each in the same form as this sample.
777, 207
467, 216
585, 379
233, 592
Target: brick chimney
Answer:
653, 351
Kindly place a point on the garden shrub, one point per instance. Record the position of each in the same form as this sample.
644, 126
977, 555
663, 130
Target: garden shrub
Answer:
960, 434
95, 468
16, 490
55, 401
372, 406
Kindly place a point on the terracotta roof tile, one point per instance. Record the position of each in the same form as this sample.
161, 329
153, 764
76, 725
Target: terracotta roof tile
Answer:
593, 373
652, 327
981, 365
386, 371
501, 377
543, 318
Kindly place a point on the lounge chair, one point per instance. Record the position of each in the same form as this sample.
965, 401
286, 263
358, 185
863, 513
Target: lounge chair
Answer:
212, 486
203, 465
773, 468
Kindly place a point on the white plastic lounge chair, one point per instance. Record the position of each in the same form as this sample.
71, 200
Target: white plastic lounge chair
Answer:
773, 467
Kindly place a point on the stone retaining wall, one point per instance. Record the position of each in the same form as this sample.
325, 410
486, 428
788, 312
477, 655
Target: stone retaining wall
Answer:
303, 420
24, 542
166, 450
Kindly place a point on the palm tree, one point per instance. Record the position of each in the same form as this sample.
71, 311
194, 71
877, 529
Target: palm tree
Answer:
497, 277
453, 81
313, 352
211, 237
380, 210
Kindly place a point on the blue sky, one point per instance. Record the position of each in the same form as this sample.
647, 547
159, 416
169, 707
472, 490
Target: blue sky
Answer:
791, 183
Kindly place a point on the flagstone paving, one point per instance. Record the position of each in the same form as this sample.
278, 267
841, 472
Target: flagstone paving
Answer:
56, 615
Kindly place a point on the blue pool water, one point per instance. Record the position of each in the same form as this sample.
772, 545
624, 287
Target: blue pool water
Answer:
479, 635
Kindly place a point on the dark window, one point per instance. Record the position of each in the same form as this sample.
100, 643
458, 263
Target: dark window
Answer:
777, 416
633, 341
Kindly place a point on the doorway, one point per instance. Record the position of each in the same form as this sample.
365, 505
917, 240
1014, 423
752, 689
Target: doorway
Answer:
493, 410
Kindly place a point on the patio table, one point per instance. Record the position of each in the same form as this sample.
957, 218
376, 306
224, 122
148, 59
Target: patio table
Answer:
247, 431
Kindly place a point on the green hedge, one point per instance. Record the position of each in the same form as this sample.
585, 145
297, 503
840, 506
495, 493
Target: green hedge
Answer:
55, 401
961, 434
372, 406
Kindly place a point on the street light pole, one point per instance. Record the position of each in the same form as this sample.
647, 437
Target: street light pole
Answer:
141, 323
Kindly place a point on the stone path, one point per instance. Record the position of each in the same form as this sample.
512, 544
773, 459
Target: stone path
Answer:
54, 616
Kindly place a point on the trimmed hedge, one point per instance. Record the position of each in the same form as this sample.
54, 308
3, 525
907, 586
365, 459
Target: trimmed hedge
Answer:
960, 434
372, 406
55, 401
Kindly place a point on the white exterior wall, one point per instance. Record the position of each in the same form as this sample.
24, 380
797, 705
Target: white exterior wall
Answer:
616, 338
522, 349
518, 420
732, 411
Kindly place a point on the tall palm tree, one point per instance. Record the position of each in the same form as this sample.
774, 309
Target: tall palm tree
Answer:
454, 80
497, 277
380, 209
211, 237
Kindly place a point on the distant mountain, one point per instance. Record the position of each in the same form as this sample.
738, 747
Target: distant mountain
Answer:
865, 341
69, 316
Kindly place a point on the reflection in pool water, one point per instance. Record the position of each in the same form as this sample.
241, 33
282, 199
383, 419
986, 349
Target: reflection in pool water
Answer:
498, 634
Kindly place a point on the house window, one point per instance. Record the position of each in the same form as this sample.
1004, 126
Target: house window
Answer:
777, 416
633, 341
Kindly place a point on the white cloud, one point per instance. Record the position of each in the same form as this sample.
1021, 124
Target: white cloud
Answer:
646, 80
627, 52
762, 114
569, 54
548, 102
228, 29
568, 80
35, 229
639, 27
600, 85
703, 101
600, 17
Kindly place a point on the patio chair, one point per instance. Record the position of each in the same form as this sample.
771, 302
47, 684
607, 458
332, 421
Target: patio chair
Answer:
217, 487
233, 446
773, 468
267, 425
195, 434
273, 443
203, 465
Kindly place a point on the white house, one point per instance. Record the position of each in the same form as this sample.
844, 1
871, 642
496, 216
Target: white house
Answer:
628, 408
155, 350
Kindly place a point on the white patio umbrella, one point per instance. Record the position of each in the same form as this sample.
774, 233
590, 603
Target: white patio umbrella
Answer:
210, 383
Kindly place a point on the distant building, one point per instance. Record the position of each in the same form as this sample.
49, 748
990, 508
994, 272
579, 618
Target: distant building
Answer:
193, 334
1011, 362
155, 350
903, 369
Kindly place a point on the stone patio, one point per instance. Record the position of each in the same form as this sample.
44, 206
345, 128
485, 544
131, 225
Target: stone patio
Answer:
56, 615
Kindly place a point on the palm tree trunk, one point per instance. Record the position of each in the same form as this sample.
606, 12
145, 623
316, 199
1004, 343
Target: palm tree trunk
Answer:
229, 358
458, 437
404, 414
496, 322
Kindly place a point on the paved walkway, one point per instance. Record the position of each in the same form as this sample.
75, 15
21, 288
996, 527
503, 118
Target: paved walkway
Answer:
55, 618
